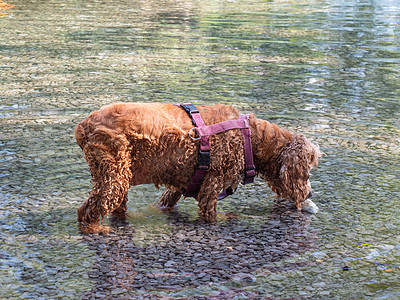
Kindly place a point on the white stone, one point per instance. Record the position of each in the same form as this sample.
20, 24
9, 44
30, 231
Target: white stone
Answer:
310, 206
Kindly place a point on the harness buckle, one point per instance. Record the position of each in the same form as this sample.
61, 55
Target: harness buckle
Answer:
250, 172
192, 134
189, 108
203, 159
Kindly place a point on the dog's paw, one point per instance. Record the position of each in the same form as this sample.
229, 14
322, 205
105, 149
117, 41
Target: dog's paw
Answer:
310, 206
94, 228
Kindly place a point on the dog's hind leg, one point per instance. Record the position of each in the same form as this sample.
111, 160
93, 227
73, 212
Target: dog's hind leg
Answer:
111, 177
169, 199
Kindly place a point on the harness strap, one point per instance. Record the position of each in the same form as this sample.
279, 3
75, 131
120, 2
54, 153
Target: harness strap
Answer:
243, 124
249, 168
203, 132
203, 161
223, 126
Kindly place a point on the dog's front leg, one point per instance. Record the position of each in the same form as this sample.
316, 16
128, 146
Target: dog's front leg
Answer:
208, 198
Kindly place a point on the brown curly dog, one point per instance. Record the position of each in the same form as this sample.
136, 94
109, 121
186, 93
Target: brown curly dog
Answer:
128, 144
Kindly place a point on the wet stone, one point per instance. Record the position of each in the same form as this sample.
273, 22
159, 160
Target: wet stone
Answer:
221, 266
169, 263
243, 278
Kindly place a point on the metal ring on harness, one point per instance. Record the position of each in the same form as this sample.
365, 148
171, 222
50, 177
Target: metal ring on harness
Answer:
190, 134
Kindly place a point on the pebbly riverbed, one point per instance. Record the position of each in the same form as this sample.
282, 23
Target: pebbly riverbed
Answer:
196, 254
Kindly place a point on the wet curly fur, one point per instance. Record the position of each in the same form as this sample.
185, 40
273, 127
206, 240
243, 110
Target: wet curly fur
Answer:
127, 144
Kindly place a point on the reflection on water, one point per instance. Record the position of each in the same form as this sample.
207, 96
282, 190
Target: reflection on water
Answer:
328, 69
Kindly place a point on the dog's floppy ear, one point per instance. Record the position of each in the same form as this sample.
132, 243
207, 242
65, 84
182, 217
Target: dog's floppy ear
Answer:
297, 158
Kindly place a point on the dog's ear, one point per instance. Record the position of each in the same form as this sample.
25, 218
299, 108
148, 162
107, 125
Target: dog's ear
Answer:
297, 159
314, 153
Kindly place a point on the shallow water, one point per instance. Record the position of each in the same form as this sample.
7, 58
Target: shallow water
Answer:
328, 69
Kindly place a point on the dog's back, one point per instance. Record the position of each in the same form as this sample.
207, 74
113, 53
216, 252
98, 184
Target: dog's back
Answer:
150, 120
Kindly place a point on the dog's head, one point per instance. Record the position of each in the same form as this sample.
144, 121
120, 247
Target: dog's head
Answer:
296, 160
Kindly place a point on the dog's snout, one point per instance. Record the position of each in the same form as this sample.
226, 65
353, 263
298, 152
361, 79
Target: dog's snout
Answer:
309, 195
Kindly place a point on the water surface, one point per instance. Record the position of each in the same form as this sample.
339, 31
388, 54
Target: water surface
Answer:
328, 69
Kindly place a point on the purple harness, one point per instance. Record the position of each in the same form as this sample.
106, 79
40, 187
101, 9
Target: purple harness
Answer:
202, 133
